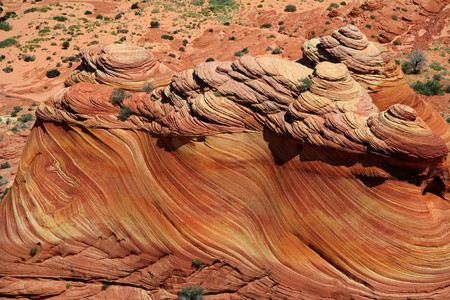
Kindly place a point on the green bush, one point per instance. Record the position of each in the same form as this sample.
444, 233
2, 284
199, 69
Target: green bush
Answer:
220, 4
124, 114
66, 45
8, 43
436, 66
13, 114
334, 5
17, 108
8, 69
417, 61
373, 17
209, 59
25, 118
266, 25
304, 84
290, 8
135, 5
394, 17
33, 251
60, 18
277, 51
239, 53
191, 293
167, 37
99, 17
53, 73
197, 263
397, 43
198, 2
154, 24
118, 95
88, 12
5, 26
5, 165
430, 88
148, 88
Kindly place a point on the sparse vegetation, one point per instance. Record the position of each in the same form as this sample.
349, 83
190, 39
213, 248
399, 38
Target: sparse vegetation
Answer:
197, 263
397, 43
266, 25
8, 43
8, 69
118, 95
290, 8
148, 88
60, 18
209, 59
5, 26
53, 73
191, 293
65, 45
88, 12
33, 251
436, 66
167, 37
416, 62
5, 165
394, 17
430, 88
105, 286
277, 51
154, 24
124, 114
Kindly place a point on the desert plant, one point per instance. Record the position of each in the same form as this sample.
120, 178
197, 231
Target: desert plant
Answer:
53, 73
148, 87
135, 5
33, 251
304, 84
13, 114
239, 53
191, 293
397, 43
417, 60
65, 45
8, 43
209, 59
88, 12
430, 88
25, 118
394, 17
28, 58
368, 26
277, 51
373, 17
17, 108
436, 66
5, 165
266, 25
68, 285
167, 37
99, 17
197, 263
60, 18
124, 114
198, 2
105, 286
8, 69
290, 8
5, 26
117, 95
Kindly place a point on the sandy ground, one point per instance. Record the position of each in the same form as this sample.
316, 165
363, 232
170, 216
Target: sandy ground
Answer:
198, 33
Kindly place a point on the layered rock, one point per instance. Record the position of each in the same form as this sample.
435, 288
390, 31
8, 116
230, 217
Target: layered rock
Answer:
283, 180
120, 65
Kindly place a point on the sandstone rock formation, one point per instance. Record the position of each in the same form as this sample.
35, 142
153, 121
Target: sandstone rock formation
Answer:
286, 181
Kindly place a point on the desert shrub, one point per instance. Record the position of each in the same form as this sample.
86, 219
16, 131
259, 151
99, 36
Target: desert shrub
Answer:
33, 251
124, 114
304, 84
219, 4
172, 55
5, 165
191, 293
198, 2
373, 17
155, 11
17, 108
148, 87
53, 73
232, 38
217, 94
397, 43
28, 58
197, 263
2, 57
430, 88
394, 17
406, 67
25, 118
417, 61
334, 5
88, 12
167, 37
154, 24
209, 59
118, 16
99, 17
269, 48
290, 8
397, 61
105, 286
8, 69
226, 24
122, 30
13, 114
185, 42
447, 88
436, 66
266, 25
118, 95
277, 51
66, 45
368, 26
60, 18
182, 49
245, 50
8, 43
135, 5
239, 53
343, 3
5, 26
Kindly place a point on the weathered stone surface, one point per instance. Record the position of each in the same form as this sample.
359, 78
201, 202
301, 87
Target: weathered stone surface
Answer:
285, 181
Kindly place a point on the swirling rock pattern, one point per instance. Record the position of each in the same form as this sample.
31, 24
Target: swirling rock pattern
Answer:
120, 65
286, 182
